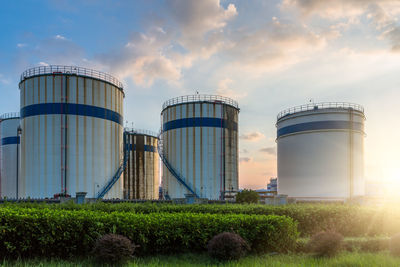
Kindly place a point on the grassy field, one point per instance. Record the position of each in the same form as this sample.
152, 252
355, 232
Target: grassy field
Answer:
344, 259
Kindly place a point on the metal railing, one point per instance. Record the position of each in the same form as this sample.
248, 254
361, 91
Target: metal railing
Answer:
9, 115
140, 131
171, 169
322, 105
200, 98
57, 69
120, 170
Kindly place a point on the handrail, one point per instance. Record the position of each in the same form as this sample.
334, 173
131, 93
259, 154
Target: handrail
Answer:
120, 170
9, 115
322, 105
59, 69
200, 98
170, 168
140, 131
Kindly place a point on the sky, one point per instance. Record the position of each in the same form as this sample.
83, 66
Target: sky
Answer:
267, 55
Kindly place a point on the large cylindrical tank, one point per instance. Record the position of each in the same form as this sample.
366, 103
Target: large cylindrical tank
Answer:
141, 175
72, 132
200, 147
9, 154
321, 151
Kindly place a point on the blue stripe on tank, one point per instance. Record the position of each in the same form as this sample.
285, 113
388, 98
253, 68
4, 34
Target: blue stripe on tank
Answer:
320, 125
71, 109
147, 148
10, 140
197, 122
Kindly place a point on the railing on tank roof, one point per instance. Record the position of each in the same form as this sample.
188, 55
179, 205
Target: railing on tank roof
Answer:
322, 105
58, 69
140, 131
9, 115
195, 98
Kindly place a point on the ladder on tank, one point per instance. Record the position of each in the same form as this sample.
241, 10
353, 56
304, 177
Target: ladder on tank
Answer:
120, 170
171, 169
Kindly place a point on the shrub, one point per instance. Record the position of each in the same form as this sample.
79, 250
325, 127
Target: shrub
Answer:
366, 244
348, 220
112, 248
301, 245
31, 232
395, 245
325, 244
247, 196
227, 246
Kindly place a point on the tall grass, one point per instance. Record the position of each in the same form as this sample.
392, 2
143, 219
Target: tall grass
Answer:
197, 260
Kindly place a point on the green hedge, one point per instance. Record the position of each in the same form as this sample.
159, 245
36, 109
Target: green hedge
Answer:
29, 232
349, 220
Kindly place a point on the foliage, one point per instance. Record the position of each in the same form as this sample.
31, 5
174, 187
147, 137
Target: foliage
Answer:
247, 196
325, 244
112, 248
64, 233
371, 244
227, 246
348, 220
395, 245
202, 259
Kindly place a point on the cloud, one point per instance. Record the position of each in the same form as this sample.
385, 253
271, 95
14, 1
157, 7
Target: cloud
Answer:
53, 51
4, 80
41, 63
144, 58
273, 46
388, 25
200, 23
191, 31
196, 18
269, 150
20, 45
254, 136
225, 89
59, 37
382, 14
333, 9
244, 159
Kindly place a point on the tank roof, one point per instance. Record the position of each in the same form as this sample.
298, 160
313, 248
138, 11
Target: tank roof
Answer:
9, 115
319, 106
140, 131
200, 98
71, 70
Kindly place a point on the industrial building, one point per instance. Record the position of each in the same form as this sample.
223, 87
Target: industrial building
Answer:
141, 175
199, 147
69, 139
321, 152
9, 155
71, 133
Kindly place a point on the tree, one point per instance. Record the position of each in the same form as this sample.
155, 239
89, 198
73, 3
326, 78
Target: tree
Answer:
247, 196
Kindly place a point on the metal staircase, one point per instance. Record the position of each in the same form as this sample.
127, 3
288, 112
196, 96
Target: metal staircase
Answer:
171, 169
120, 170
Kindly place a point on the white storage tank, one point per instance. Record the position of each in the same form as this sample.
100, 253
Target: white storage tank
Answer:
72, 132
9, 155
321, 152
199, 147
141, 175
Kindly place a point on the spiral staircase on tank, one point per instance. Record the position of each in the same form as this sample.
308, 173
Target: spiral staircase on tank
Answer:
170, 168
120, 170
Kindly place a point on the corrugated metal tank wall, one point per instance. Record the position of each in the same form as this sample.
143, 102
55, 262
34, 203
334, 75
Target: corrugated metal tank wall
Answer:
71, 120
9, 152
141, 175
321, 151
200, 141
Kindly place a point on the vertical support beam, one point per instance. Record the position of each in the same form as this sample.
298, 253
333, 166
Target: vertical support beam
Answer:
351, 154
